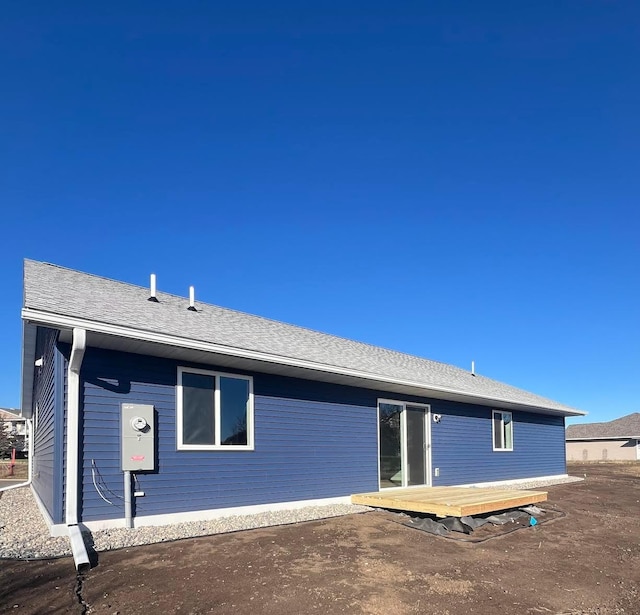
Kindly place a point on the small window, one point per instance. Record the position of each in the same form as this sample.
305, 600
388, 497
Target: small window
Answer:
502, 431
215, 410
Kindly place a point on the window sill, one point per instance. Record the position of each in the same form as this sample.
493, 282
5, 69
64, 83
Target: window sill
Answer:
214, 447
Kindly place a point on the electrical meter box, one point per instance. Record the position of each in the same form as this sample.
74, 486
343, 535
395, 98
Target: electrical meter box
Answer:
138, 437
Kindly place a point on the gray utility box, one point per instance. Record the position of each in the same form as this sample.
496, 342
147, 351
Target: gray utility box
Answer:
138, 437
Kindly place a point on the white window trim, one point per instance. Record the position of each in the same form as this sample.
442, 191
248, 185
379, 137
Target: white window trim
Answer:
249, 446
493, 430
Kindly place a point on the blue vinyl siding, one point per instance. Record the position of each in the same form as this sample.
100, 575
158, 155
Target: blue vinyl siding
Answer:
312, 440
306, 447
48, 422
462, 445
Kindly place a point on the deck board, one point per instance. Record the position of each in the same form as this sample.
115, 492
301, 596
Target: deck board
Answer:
449, 501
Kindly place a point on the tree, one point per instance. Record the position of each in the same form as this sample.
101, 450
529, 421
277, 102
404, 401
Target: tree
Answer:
9, 441
6, 443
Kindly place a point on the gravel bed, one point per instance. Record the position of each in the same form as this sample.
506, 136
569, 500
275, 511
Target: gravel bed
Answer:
23, 532
25, 535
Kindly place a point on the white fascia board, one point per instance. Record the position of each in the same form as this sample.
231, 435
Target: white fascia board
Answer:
70, 322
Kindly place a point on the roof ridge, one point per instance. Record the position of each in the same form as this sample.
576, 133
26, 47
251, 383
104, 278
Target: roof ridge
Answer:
256, 316
92, 275
620, 418
623, 426
63, 291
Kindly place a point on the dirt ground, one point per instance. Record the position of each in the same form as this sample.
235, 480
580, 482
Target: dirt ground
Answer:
587, 561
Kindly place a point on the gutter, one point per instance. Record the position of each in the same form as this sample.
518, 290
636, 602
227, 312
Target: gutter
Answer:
67, 322
78, 548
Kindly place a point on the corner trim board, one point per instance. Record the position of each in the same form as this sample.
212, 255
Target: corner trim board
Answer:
58, 428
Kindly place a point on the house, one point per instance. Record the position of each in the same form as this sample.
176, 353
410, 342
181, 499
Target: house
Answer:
149, 408
617, 440
15, 428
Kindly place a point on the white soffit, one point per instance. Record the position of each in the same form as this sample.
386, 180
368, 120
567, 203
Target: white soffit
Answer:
191, 355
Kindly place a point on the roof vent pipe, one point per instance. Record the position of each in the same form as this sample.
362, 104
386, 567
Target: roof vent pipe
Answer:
473, 368
192, 299
152, 284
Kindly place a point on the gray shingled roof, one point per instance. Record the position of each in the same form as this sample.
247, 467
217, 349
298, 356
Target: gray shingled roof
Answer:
624, 427
55, 290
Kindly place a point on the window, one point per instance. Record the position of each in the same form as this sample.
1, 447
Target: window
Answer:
215, 410
502, 431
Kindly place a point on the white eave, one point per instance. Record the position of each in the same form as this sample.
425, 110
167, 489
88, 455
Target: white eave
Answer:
29, 332
104, 335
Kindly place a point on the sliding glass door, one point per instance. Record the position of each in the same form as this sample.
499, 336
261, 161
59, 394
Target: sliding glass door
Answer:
404, 444
390, 422
416, 446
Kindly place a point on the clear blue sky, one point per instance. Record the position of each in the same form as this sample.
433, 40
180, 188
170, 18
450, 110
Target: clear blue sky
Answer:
456, 180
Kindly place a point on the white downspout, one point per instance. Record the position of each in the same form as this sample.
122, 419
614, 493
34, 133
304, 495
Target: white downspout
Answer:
78, 547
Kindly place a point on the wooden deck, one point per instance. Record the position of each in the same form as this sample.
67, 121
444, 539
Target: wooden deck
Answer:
449, 501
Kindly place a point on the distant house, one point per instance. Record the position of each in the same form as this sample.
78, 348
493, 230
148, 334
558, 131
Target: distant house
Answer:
14, 426
617, 440
211, 412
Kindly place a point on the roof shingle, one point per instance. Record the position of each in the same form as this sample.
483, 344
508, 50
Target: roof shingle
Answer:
57, 290
625, 427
